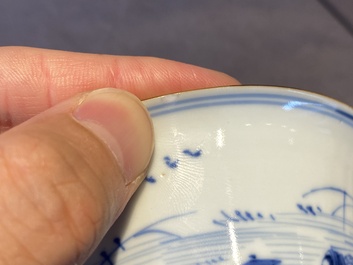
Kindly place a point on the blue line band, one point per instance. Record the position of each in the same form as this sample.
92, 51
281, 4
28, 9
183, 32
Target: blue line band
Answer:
286, 102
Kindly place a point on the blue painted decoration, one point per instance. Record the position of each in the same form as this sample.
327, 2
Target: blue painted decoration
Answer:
286, 102
196, 153
253, 260
218, 260
279, 232
341, 210
171, 163
334, 257
150, 179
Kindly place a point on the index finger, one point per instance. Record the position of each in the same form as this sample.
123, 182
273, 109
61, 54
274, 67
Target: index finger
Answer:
32, 80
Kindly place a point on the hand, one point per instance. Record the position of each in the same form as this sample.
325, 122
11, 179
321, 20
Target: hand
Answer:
70, 158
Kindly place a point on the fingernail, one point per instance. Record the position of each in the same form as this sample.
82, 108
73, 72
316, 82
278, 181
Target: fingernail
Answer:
121, 121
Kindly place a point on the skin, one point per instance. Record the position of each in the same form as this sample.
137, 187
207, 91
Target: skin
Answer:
66, 171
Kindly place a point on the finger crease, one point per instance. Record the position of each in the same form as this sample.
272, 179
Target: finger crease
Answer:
29, 199
45, 70
23, 246
6, 121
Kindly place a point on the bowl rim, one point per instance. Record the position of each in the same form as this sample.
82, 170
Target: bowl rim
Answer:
329, 100
265, 88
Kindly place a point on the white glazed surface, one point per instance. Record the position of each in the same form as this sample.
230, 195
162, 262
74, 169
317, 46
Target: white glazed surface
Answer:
240, 172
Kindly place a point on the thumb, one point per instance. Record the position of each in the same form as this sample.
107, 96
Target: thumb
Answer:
67, 174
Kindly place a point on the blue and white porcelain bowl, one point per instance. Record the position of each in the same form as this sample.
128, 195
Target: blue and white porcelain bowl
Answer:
242, 175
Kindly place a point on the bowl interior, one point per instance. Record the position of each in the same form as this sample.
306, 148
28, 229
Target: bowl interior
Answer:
240, 173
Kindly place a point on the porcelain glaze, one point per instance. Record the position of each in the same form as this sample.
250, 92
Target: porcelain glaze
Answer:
242, 175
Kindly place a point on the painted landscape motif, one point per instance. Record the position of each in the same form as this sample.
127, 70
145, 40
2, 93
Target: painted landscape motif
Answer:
308, 234
241, 232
